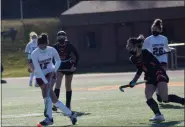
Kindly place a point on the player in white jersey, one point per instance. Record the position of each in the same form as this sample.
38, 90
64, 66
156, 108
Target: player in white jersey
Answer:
157, 44
45, 70
30, 47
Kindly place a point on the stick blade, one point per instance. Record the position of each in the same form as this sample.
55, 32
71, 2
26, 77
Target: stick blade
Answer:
121, 88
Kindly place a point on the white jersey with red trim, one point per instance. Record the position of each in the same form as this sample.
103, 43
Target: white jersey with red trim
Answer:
157, 45
42, 61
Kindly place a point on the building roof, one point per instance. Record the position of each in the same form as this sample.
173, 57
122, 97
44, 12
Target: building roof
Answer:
85, 7
104, 12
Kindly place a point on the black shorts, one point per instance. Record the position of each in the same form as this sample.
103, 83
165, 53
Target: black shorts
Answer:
41, 82
65, 66
160, 76
164, 65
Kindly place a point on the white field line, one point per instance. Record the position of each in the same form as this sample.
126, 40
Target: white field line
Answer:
21, 115
30, 115
86, 75
25, 115
99, 74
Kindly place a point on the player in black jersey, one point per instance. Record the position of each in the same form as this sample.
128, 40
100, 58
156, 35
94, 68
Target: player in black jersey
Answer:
67, 67
156, 76
2, 69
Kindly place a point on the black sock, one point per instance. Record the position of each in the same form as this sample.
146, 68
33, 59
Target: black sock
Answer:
175, 98
68, 98
154, 106
159, 98
57, 92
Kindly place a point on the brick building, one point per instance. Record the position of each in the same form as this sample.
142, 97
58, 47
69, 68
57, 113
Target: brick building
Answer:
99, 29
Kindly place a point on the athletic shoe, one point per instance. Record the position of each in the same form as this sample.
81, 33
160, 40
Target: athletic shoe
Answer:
157, 118
183, 101
47, 122
36, 85
159, 98
3, 81
73, 118
54, 108
30, 84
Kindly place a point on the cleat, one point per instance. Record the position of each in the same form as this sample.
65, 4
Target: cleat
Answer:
157, 118
30, 84
159, 98
183, 101
39, 125
73, 118
46, 122
3, 81
54, 108
36, 85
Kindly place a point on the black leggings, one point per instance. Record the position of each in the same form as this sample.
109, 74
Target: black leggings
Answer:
2, 69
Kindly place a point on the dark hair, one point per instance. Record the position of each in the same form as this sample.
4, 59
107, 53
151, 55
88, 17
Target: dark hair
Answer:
61, 33
43, 39
140, 38
135, 41
158, 23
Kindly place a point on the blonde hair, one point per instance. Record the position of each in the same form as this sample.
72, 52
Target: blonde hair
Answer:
33, 34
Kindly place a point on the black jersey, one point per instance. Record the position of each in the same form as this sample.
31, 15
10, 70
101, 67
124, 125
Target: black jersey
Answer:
146, 62
65, 52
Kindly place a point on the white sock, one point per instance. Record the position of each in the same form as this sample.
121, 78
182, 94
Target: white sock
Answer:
35, 82
31, 76
49, 107
63, 108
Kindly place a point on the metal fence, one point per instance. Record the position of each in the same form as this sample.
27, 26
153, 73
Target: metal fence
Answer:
174, 57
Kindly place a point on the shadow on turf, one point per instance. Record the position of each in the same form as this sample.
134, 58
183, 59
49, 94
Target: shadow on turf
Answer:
170, 106
66, 126
78, 113
166, 124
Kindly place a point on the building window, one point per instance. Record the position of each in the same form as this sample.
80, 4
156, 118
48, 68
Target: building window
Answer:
90, 40
168, 31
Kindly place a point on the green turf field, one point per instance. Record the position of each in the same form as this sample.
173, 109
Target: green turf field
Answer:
97, 100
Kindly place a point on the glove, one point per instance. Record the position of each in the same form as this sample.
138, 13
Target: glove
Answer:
132, 84
29, 70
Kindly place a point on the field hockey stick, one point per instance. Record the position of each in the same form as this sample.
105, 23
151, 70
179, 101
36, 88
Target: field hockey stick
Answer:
169, 51
121, 88
164, 53
65, 70
48, 96
176, 44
